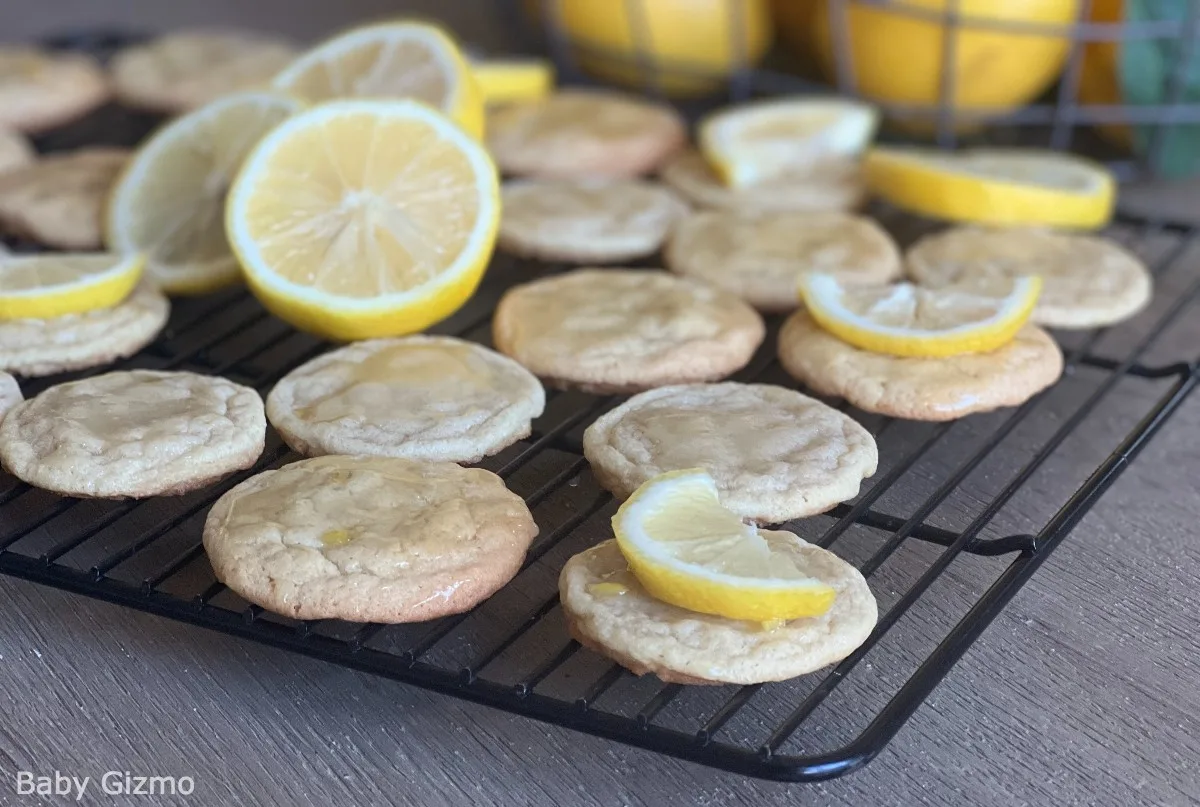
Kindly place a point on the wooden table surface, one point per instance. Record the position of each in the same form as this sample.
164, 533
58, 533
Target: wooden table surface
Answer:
1083, 691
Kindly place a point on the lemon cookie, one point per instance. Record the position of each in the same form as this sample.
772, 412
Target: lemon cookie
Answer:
42, 89
38, 347
422, 397
575, 134
10, 393
625, 330
774, 453
133, 434
1087, 281
832, 185
608, 611
761, 256
600, 221
920, 388
185, 70
58, 201
371, 539
15, 151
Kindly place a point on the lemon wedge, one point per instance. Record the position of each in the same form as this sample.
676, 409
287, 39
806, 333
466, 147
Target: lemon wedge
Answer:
754, 142
1002, 187
907, 320
170, 200
502, 81
359, 219
56, 284
688, 550
390, 60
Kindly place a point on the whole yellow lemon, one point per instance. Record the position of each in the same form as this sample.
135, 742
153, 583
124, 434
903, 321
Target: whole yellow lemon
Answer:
692, 46
896, 53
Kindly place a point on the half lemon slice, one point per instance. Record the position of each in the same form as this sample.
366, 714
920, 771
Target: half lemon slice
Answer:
503, 81
362, 219
754, 142
688, 550
389, 60
1004, 187
170, 200
907, 320
57, 284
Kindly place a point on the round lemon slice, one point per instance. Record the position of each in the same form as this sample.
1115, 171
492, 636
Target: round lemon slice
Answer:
504, 81
907, 320
169, 202
1002, 187
361, 218
688, 550
754, 142
390, 60
56, 284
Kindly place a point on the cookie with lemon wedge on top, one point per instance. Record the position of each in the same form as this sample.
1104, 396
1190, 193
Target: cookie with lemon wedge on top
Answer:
690, 593
917, 353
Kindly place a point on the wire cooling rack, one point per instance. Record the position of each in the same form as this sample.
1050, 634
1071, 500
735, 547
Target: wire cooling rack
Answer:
957, 519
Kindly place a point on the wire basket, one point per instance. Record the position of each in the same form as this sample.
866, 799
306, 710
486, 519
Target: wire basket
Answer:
1118, 80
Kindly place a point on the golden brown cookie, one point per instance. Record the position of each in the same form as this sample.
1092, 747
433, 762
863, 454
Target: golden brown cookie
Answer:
419, 397
1087, 280
133, 434
15, 150
760, 256
41, 89
625, 330
59, 200
368, 539
919, 388
579, 134
608, 611
587, 221
187, 69
774, 453
39, 347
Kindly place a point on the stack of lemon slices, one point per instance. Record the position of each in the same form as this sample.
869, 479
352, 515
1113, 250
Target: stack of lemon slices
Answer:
352, 195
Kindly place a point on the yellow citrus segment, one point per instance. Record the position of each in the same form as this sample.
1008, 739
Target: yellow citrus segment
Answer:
170, 200
503, 81
57, 284
367, 218
688, 550
754, 142
390, 60
907, 320
1000, 187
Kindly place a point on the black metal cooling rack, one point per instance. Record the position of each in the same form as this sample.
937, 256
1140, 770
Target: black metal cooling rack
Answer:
954, 523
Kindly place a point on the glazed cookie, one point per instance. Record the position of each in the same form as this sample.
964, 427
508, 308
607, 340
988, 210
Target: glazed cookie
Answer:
774, 453
919, 388
182, 71
37, 347
646, 635
133, 434
625, 330
42, 89
59, 200
15, 151
368, 539
574, 134
600, 221
1087, 281
10, 394
834, 185
760, 257
421, 397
